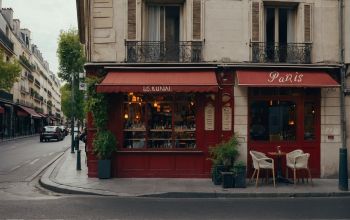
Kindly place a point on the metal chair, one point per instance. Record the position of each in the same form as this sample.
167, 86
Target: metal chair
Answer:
261, 161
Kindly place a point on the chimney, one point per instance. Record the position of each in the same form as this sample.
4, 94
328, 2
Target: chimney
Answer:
16, 26
8, 14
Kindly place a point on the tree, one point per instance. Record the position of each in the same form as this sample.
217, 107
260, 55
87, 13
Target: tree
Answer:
71, 55
9, 73
66, 102
71, 62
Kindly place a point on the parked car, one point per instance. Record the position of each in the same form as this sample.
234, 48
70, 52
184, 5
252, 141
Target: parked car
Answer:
64, 130
51, 132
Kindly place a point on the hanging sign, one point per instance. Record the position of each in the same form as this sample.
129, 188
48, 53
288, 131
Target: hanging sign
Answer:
82, 86
226, 118
209, 117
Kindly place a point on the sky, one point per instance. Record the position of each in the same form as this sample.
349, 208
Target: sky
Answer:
45, 19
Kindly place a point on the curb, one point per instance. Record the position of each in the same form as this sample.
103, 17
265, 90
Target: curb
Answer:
245, 195
17, 138
47, 182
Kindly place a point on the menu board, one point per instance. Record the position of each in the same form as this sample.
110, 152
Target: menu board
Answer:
209, 117
226, 118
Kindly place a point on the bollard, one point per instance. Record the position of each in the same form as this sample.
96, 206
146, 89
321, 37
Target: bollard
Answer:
76, 143
78, 160
343, 170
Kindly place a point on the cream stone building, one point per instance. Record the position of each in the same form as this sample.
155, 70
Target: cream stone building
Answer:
277, 65
34, 101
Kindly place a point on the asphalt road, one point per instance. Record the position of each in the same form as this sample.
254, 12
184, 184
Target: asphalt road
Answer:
21, 161
91, 207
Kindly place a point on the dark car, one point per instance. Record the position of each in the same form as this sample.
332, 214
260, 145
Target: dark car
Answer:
51, 132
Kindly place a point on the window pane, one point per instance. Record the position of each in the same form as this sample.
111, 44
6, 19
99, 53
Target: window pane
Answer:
309, 121
272, 120
184, 122
163, 121
160, 122
134, 122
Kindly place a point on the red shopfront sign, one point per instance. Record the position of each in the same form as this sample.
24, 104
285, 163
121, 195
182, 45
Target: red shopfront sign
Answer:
263, 78
159, 82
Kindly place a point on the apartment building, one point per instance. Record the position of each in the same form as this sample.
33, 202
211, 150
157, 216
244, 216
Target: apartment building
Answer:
34, 101
183, 75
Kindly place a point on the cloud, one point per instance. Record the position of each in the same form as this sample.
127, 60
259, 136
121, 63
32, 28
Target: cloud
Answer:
45, 19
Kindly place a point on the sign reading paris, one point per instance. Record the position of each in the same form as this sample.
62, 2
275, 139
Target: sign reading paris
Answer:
285, 77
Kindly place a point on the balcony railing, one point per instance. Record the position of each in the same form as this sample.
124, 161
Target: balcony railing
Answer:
6, 41
299, 53
26, 63
163, 51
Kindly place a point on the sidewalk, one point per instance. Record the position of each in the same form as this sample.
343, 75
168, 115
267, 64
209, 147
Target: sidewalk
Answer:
63, 177
3, 140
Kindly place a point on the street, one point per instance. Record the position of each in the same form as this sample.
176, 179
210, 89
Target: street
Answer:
94, 207
21, 196
21, 161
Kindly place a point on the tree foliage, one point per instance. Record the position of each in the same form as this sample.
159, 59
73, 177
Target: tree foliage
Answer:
9, 72
71, 57
66, 102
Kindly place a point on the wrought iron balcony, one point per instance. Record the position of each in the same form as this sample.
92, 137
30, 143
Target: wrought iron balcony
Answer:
5, 40
299, 53
163, 51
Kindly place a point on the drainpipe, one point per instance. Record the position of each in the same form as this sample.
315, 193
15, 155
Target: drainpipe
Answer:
343, 163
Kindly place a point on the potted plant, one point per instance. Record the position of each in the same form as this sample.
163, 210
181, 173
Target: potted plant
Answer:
239, 170
104, 146
223, 156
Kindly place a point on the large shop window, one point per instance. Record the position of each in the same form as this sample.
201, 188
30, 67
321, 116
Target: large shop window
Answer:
273, 114
159, 121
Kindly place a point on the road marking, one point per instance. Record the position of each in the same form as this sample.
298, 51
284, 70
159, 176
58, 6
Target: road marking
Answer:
14, 168
34, 161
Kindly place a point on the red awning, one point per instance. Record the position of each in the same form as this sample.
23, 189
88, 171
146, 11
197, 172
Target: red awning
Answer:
264, 78
30, 111
159, 81
2, 110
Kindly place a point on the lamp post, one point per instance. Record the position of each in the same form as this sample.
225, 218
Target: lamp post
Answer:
72, 117
343, 161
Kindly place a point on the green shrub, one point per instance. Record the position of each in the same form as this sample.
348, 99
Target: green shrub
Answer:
104, 144
225, 153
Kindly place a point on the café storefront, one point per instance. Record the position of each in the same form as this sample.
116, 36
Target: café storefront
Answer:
165, 120
284, 109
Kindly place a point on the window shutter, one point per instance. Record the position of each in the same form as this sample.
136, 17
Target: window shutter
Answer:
196, 34
307, 23
255, 21
131, 19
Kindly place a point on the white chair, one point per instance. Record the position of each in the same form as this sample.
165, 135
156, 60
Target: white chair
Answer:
299, 162
261, 161
290, 158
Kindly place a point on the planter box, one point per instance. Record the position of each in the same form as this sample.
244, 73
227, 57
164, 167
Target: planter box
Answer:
240, 177
216, 174
104, 169
228, 179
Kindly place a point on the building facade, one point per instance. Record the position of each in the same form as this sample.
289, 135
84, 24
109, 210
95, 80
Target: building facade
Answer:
34, 100
183, 75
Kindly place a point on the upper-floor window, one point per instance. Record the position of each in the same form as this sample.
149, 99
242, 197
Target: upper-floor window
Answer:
162, 33
277, 39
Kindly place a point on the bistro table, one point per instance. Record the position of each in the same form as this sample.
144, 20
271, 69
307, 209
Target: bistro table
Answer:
278, 155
